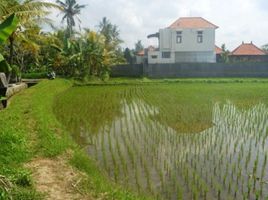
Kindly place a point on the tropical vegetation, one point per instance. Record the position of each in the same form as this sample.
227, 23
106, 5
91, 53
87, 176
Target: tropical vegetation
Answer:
68, 52
199, 139
71, 10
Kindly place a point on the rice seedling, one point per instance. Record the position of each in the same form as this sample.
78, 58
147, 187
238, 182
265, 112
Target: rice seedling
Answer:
175, 146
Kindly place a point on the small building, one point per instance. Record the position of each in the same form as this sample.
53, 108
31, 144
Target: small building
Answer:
218, 52
248, 52
140, 57
188, 39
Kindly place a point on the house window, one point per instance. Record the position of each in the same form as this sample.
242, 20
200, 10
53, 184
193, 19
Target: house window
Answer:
166, 54
154, 57
199, 36
179, 37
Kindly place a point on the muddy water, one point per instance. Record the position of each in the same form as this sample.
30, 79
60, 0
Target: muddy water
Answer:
226, 161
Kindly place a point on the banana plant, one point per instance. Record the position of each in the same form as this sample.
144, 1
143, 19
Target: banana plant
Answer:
7, 28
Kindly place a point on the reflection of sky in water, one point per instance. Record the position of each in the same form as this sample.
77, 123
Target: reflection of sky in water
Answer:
142, 153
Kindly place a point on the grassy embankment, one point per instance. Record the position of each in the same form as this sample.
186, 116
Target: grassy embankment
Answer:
29, 129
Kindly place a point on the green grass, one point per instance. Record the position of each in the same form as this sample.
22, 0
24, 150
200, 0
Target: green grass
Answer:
143, 81
29, 128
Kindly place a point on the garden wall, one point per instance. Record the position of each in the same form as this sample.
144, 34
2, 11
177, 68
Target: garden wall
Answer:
184, 70
134, 70
208, 70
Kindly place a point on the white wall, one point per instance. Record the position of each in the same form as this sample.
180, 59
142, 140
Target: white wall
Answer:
139, 59
189, 40
159, 58
165, 39
189, 50
196, 57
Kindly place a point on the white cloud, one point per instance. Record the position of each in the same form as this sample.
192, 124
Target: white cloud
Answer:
239, 20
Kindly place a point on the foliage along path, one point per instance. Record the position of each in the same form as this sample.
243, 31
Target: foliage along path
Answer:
51, 176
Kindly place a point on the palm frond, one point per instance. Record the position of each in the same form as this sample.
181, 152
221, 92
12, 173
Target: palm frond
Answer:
2, 7
33, 6
79, 7
29, 16
62, 4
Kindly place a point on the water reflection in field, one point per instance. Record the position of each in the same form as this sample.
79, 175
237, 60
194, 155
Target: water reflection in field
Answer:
226, 161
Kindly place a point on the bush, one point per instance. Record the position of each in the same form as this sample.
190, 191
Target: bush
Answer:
34, 75
19, 176
23, 178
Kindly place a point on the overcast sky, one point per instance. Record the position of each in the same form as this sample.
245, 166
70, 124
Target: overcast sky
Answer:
238, 20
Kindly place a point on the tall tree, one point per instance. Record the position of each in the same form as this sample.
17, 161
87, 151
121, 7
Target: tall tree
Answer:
70, 11
129, 56
138, 46
265, 47
28, 12
110, 32
225, 54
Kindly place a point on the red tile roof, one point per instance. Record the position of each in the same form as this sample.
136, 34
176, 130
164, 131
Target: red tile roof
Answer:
247, 49
140, 53
218, 50
192, 22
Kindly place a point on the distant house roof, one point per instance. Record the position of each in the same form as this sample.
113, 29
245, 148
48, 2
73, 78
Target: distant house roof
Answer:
192, 22
145, 51
141, 53
218, 50
247, 49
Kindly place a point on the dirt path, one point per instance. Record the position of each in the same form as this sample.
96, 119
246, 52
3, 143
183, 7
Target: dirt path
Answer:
56, 179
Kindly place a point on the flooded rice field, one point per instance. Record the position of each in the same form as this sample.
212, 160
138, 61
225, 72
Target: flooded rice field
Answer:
140, 150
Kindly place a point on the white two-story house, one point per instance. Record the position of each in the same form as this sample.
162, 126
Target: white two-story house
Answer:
189, 39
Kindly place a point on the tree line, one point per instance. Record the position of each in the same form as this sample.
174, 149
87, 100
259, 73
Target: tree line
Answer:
67, 51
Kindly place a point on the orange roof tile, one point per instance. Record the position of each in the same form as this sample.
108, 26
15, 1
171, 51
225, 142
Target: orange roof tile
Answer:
141, 53
247, 49
218, 50
192, 22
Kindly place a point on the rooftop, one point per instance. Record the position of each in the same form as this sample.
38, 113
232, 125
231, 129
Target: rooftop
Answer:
247, 49
192, 22
141, 53
218, 50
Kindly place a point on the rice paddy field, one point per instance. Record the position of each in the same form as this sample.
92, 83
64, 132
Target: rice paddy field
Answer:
174, 140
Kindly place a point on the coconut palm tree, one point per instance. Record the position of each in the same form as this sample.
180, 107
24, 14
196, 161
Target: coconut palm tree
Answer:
28, 12
110, 32
70, 10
